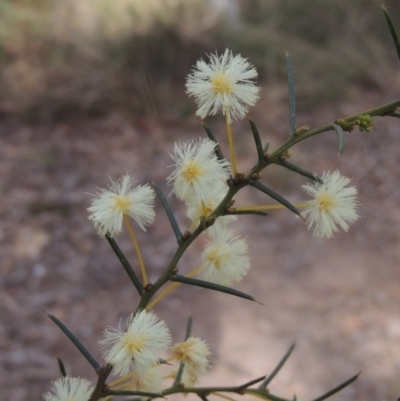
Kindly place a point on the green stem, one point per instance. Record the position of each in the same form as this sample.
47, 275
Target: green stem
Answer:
165, 276
219, 211
293, 140
378, 111
207, 390
185, 244
385, 110
103, 374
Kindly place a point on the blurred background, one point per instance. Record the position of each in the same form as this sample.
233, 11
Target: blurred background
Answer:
94, 89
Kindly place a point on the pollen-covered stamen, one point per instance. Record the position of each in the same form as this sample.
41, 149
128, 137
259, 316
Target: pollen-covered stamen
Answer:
133, 344
225, 259
181, 353
136, 349
122, 203
326, 202
222, 84
122, 199
69, 389
194, 353
198, 173
215, 258
192, 171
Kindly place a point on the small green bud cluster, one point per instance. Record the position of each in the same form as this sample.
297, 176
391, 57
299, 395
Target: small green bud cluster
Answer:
364, 122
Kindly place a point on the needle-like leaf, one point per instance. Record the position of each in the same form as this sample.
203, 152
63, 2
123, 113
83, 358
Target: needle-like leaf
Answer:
250, 383
299, 170
255, 212
169, 212
292, 98
210, 286
76, 342
275, 196
210, 134
392, 30
61, 366
338, 388
257, 140
189, 327
125, 264
278, 367
340, 134
178, 377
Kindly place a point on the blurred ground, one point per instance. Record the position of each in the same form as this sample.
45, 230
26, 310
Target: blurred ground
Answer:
337, 298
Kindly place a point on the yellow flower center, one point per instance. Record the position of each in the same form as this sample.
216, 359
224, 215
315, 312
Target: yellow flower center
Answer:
182, 351
191, 171
221, 84
132, 343
215, 258
325, 202
122, 203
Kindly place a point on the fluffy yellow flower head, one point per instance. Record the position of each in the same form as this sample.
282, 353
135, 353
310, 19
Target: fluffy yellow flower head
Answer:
204, 207
194, 353
137, 347
224, 84
150, 382
333, 204
124, 198
225, 259
198, 173
70, 389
